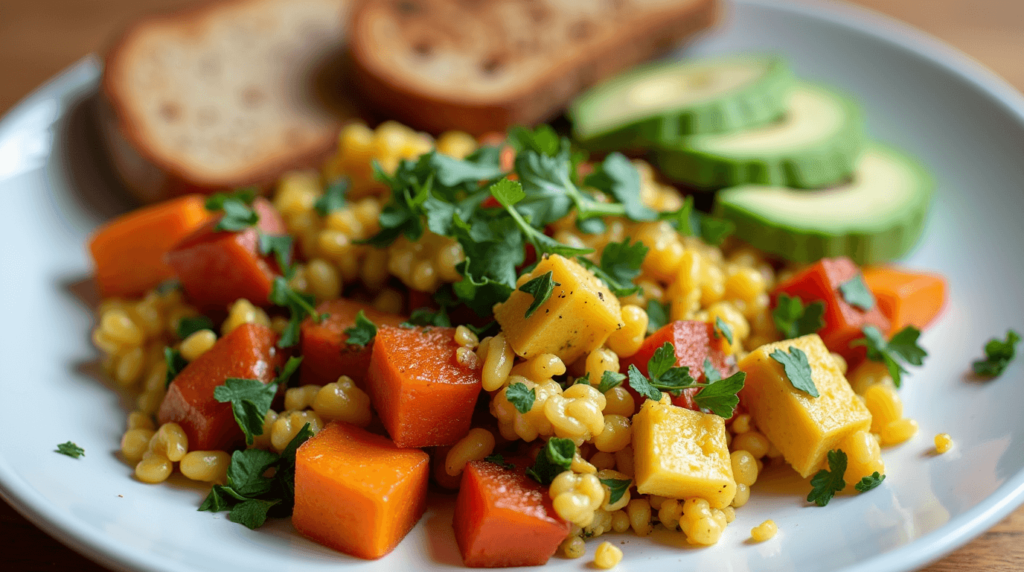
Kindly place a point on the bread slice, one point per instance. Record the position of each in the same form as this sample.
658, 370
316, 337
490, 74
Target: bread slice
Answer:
226, 95
483, 65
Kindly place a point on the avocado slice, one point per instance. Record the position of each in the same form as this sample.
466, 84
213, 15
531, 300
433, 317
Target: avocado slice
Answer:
814, 145
668, 100
876, 217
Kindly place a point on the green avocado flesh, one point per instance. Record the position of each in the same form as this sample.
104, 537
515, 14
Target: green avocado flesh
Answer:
876, 217
666, 101
816, 144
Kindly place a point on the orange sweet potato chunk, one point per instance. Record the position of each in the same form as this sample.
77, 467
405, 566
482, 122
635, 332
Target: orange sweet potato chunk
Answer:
907, 298
357, 492
503, 518
423, 396
247, 352
325, 354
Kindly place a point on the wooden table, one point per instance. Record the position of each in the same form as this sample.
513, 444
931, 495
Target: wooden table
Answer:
38, 38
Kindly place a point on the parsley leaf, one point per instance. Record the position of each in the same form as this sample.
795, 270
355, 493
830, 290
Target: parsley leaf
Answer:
663, 375
215, 202
797, 368
714, 230
640, 384
998, 355
552, 460
362, 332
618, 178
70, 449
283, 378
175, 363
869, 482
250, 400
722, 329
237, 216
482, 331
540, 288
281, 248
521, 397
543, 139
499, 460
657, 315
620, 264
217, 500
251, 513
508, 193
856, 293
428, 317
711, 373
720, 397
902, 347
690, 222
299, 306
826, 483
247, 469
610, 380
333, 198
616, 488
793, 319
192, 324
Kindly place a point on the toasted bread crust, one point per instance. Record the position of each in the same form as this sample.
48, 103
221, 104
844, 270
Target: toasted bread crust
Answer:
153, 172
529, 102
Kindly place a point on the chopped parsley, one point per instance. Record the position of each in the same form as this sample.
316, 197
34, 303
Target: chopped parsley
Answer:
723, 330
509, 193
70, 449
720, 397
250, 400
620, 264
900, 349
246, 196
540, 288
428, 317
521, 397
869, 482
616, 488
237, 215
175, 363
797, 368
333, 198
192, 324
610, 380
284, 377
793, 319
362, 332
711, 373
657, 316
691, 222
281, 247
299, 306
998, 355
616, 177
826, 483
857, 294
553, 459
499, 460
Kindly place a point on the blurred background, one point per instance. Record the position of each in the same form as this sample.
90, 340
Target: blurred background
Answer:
39, 38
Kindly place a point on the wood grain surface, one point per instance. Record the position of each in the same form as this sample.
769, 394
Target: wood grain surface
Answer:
38, 38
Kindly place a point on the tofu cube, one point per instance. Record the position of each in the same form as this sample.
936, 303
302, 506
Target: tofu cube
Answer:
576, 319
679, 453
804, 428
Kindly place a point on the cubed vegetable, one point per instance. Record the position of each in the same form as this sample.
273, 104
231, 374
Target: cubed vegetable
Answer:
218, 267
678, 453
503, 518
423, 396
326, 355
843, 321
247, 352
906, 298
694, 342
803, 427
128, 252
577, 318
357, 492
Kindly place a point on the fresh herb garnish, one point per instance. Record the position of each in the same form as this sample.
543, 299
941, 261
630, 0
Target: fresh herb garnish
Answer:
857, 294
299, 306
553, 459
826, 483
192, 324
618, 178
499, 460
719, 397
610, 380
215, 202
723, 330
284, 377
428, 317
657, 315
175, 363
508, 193
521, 397
333, 198
688, 221
249, 493
237, 215
793, 319
582, 380
797, 368
711, 373
281, 248
616, 488
540, 288
869, 482
902, 347
620, 264
250, 400
998, 355
362, 332
70, 449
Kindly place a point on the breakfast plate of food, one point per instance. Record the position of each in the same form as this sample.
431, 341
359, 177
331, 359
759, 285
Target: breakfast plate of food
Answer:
321, 284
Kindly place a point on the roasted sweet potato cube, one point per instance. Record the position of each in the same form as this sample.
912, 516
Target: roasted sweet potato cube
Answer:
325, 353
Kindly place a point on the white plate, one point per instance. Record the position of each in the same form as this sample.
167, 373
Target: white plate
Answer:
963, 122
